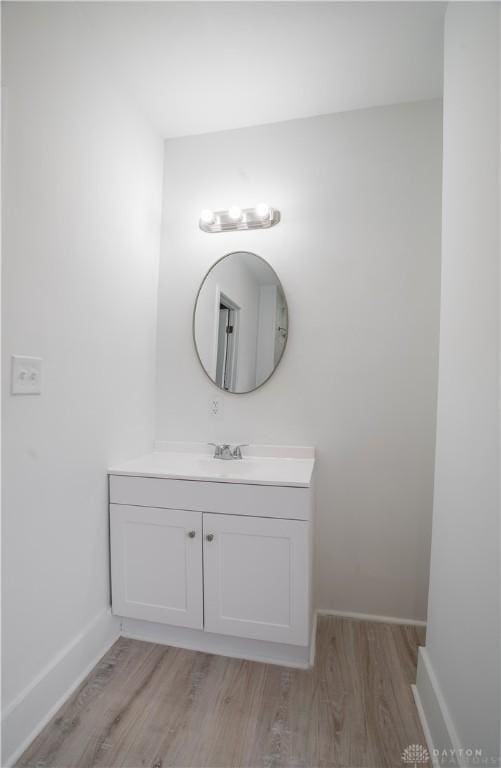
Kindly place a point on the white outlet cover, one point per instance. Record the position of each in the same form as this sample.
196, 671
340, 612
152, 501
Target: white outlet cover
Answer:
26, 375
216, 408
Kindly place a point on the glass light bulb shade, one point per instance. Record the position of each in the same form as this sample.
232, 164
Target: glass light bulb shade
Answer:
207, 216
263, 211
235, 213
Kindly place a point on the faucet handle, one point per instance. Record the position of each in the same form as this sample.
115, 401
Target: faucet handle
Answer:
217, 450
236, 452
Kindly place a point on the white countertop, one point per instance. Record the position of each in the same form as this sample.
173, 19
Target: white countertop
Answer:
261, 465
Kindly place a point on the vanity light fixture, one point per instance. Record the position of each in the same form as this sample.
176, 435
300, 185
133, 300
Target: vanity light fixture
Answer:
235, 213
208, 216
263, 211
236, 218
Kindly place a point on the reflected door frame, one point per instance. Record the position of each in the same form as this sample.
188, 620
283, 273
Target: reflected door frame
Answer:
231, 363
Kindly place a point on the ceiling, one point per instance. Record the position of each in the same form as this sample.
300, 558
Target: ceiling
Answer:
195, 67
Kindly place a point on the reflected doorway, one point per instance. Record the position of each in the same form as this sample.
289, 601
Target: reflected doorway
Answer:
227, 343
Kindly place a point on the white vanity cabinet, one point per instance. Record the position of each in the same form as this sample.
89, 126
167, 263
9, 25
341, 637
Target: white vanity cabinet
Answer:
256, 577
156, 564
194, 561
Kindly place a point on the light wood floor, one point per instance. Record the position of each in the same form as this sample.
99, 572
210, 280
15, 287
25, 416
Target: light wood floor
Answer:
149, 705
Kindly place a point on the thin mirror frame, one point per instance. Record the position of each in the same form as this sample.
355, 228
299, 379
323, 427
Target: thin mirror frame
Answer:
258, 386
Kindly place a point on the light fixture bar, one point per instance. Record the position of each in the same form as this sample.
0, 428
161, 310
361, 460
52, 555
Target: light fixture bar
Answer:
260, 217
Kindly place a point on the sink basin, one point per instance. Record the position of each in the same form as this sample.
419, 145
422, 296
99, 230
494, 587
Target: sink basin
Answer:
253, 469
246, 467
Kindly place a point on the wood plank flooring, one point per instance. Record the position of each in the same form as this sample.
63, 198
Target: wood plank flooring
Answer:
156, 706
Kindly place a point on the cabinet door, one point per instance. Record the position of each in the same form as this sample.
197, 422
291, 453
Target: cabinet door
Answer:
256, 578
156, 564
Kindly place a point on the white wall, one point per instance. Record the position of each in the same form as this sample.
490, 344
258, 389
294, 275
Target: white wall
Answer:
459, 675
357, 251
81, 229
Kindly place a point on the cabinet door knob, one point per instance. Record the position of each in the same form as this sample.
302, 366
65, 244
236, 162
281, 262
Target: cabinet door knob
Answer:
210, 537
192, 534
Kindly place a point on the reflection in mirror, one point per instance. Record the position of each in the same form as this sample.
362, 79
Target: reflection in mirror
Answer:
240, 322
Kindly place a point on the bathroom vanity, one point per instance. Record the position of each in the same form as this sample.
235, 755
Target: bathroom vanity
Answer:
216, 555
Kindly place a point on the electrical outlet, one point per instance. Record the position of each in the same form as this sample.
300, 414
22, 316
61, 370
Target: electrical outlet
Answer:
26, 375
216, 408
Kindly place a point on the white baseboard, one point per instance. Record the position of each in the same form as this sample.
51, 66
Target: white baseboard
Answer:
313, 640
425, 726
263, 651
370, 617
30, 711
435, 717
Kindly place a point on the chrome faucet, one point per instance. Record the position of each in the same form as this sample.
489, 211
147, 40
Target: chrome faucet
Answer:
227, 452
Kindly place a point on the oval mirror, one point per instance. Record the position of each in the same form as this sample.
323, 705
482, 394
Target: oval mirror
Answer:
240, 322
